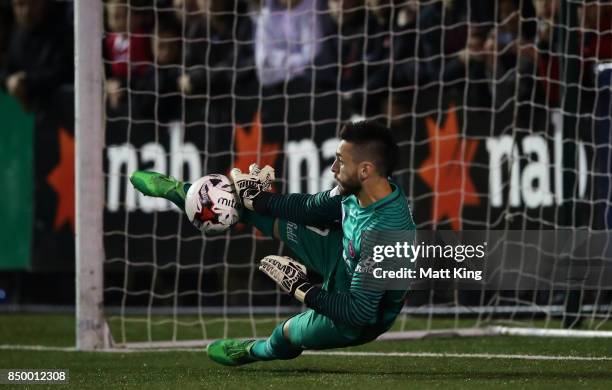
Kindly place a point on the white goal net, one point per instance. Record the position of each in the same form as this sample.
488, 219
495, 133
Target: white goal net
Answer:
502, 110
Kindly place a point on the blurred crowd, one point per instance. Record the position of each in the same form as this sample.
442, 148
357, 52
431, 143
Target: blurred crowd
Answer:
162, 56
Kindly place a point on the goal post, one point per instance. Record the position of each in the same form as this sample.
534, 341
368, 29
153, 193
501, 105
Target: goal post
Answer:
91, 329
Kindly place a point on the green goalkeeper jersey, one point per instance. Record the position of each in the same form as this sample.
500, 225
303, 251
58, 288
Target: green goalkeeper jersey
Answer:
358, 303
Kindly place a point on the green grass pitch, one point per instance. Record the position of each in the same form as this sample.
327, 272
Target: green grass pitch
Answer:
193, 369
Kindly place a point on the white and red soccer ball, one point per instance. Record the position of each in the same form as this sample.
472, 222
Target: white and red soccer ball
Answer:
211, 204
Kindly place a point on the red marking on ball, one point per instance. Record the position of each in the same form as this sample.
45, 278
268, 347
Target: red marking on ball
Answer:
206, 214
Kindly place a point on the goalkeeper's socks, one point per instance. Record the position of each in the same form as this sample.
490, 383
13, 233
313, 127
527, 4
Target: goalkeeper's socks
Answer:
161, 186
275, 347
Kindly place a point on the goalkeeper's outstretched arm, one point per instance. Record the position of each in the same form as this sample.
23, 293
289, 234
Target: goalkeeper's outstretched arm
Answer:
322, 209
162, 186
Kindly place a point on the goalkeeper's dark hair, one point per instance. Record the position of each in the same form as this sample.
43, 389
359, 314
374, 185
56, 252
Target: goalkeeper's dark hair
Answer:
375, 141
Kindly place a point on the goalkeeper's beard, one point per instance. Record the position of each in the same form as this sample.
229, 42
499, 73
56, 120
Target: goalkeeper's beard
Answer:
348, 187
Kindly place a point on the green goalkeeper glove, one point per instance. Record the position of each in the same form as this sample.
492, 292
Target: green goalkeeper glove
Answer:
250, 185
288, 274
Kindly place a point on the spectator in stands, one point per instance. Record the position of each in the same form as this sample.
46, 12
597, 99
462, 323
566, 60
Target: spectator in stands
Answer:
387, 57
254, 6
288, 39
341, 58
443, 31
509, 65
595, 18
191, 14
39, 58
596, 22
397, 22
6, 25
538, 64
127, 48
546, 56
500, 48
546, 12
349, 36
467, 63
227, 56
157, 95
464, 72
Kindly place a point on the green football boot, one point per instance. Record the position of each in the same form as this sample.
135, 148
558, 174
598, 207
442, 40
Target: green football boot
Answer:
230, 352
160, 186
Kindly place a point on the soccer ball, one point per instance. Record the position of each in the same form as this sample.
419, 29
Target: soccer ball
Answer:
211, 204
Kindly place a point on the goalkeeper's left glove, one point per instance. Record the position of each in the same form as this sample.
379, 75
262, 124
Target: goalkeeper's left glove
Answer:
250, 185
288, 274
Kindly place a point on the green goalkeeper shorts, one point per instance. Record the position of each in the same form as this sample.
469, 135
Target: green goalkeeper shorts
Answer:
320, 250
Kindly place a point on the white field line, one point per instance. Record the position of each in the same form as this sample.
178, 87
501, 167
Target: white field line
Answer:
457, 355
332, 353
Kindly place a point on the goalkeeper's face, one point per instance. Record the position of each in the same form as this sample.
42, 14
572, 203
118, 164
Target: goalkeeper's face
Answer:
345, 169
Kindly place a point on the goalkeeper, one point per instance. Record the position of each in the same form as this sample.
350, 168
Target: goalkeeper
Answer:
324, 231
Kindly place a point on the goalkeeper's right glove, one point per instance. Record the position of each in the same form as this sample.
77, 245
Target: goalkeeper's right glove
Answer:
250, 185
289, 275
